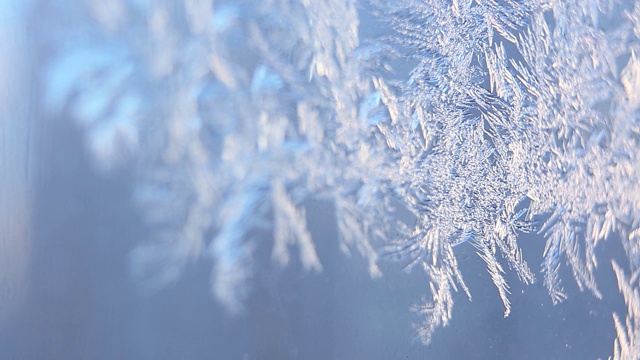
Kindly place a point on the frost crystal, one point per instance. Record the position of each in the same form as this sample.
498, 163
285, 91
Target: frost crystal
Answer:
627, 343
516, 116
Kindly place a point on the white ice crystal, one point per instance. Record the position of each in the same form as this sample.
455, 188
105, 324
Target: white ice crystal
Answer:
515, 116
627, 343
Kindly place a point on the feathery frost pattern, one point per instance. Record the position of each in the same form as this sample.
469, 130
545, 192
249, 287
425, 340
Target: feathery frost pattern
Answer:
515, 117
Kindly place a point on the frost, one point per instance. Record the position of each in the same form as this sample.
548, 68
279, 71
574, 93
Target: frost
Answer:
631, 79
481, 120
627, 343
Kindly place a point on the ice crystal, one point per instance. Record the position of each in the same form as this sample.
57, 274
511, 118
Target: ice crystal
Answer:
627, 343
515, 117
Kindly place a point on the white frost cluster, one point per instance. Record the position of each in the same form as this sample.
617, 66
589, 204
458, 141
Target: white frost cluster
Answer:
516, 116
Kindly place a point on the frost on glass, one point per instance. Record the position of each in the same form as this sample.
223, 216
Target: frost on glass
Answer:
514, 117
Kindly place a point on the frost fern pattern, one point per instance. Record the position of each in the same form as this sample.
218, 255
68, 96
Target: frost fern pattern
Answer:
515, 117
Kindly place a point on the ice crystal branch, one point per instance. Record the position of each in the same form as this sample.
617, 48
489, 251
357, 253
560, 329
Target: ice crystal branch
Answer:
627, 345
